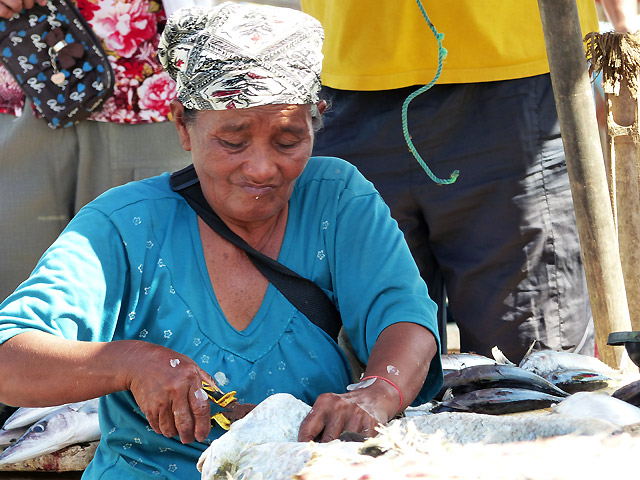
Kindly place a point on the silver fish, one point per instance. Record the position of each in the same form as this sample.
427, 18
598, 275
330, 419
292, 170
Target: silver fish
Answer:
57, 430
7, 437
498, 401
491, 376
456, 361
598, 405
544, 362
24, 416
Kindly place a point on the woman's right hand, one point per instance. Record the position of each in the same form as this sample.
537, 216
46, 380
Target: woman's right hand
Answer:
10, 7
167, 387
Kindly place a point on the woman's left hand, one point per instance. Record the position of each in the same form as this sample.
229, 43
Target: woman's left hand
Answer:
359, 411
403, 352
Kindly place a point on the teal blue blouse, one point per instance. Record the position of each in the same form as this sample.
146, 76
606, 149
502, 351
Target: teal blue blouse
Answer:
130, 265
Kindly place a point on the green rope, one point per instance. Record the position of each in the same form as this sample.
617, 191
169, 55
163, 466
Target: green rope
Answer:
442, 52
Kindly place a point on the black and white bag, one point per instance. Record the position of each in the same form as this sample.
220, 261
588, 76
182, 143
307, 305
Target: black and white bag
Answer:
55, 57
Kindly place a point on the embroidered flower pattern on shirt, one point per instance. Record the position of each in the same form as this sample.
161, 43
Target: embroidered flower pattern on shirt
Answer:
204, 358
197, 341
149, 244
321, 255
137, 220
143, 333
325, 225
168, 333
173, 467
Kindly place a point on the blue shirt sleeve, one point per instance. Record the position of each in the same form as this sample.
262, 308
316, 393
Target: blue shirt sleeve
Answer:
377, 281
77, 286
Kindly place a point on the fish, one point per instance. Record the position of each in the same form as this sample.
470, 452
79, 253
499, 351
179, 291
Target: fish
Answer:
276, 419
572, 381
497, 401
7, 437
629, 393
61, 428
489, 376
544, 362
464, 427
28, 416
598, 405
456, 361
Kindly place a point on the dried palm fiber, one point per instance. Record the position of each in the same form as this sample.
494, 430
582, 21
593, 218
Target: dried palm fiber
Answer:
617, 57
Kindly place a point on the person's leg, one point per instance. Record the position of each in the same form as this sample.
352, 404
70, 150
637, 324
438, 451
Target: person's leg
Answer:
503, 236
37, 178
113, 154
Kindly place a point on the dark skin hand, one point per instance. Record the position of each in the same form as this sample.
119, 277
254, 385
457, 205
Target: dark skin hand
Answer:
8, 8
402, 354
35, 366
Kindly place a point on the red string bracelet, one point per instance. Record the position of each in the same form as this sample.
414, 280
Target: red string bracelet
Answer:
390, 383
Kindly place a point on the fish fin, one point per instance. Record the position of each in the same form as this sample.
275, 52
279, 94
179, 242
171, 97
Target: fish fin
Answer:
447, 395
528, 352
500, 357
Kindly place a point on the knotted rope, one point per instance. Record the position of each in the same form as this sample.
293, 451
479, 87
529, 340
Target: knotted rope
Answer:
442, 53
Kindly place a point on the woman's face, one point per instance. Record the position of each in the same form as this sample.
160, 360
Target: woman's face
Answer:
248, 159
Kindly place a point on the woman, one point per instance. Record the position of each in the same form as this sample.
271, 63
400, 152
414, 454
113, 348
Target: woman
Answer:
139, 301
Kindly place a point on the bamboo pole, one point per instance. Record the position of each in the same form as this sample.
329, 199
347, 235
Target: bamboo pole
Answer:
585, 165
623, 142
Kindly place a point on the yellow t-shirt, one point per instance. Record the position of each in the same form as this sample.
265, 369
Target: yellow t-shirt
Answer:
386, 44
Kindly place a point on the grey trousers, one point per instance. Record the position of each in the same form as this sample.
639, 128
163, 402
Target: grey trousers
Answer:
47, 175
502, 239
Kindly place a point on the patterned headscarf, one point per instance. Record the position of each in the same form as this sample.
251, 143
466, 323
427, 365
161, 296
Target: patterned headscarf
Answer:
241, 55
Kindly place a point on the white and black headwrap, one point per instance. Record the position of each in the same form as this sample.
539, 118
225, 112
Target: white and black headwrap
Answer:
240, 55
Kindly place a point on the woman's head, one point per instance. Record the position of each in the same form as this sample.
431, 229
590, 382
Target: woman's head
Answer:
248, 78
239, 55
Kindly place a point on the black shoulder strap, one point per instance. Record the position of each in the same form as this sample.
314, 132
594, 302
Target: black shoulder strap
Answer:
303, 293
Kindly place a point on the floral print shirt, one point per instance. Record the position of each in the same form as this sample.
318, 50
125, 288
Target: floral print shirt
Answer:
130, 31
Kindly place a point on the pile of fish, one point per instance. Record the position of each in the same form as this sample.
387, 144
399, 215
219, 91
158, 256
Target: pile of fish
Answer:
478, 384
32, 432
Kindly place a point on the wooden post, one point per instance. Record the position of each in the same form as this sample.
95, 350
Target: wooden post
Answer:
623, 142
585, 165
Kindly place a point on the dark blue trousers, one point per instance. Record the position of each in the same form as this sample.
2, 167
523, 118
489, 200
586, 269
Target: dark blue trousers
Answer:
502, 239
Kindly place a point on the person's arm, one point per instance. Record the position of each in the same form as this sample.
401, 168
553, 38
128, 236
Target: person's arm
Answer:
622, 14
40, 369
8, 8
402, 355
